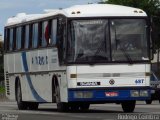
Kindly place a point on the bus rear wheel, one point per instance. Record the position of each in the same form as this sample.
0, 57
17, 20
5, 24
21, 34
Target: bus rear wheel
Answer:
128, 106
148, 102
61, 106
33, 105
84, 107
21, 105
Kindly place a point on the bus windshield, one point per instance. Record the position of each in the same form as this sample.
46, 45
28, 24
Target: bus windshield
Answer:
107, 40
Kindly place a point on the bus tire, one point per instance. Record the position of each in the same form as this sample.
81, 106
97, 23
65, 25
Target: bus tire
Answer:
33, 105
128, 106
61, 106
84, 107
148, 102
21, 105
74, 107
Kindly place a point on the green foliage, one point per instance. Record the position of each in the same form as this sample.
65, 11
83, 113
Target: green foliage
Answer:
2, 89
151, 7
1, 62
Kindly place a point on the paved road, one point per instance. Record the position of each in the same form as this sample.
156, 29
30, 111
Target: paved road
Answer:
96, 112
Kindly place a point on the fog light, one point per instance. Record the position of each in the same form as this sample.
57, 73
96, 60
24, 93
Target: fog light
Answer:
83, 94
143, 93
134, 93
152, 91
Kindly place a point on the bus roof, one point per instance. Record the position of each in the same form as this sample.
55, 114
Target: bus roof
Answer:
90, 10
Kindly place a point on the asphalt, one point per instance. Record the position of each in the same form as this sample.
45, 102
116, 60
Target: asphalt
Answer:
9, 111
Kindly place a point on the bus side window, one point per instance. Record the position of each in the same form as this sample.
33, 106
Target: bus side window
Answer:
26, 37
61, 39
35, 35
11, 39
14, 38
6, 39
18, 37
54, 32
45, 33
7, 42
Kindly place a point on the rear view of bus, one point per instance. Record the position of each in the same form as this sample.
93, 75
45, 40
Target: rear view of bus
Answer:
82, 55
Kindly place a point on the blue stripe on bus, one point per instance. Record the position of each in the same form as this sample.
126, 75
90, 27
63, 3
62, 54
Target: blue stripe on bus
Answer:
34, 92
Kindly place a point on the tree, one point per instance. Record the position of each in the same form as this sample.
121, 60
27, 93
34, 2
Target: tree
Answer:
151, 7
1, 60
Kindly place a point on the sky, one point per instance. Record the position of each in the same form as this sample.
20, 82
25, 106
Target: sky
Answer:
9, 8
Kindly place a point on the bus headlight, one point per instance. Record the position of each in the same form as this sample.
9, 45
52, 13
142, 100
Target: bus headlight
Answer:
143, 93
134, 93
83, 94
152, 91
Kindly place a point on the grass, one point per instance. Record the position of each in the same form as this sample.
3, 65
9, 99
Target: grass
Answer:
2, 89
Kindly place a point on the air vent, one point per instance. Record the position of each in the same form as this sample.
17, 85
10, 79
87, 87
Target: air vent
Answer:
7, 84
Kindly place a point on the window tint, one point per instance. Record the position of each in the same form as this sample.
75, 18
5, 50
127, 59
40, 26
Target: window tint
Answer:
45, 33
27, 37
11, 39
18, 37
54, 32
35, 35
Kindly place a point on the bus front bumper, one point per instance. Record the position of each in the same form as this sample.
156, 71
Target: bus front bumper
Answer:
95, 95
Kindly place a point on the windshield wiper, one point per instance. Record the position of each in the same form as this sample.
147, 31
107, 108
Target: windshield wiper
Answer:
119, 43
102, 46
124, 52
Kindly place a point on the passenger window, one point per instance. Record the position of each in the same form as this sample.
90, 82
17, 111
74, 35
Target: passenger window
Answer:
35, 35
54, 32
45, 33
11, 39
18, 37
27, 37
6, 39
14, 38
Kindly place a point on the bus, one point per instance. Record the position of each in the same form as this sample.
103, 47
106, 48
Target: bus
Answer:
77, 56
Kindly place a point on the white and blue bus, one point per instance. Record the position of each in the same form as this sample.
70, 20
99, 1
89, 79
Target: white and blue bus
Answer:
74, 57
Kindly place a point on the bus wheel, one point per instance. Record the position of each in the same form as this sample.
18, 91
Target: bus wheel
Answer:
84, 107
21, 105
128, 106
148, 102
33, 105
61, 107
74, 107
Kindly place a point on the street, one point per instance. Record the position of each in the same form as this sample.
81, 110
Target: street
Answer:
9, 111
